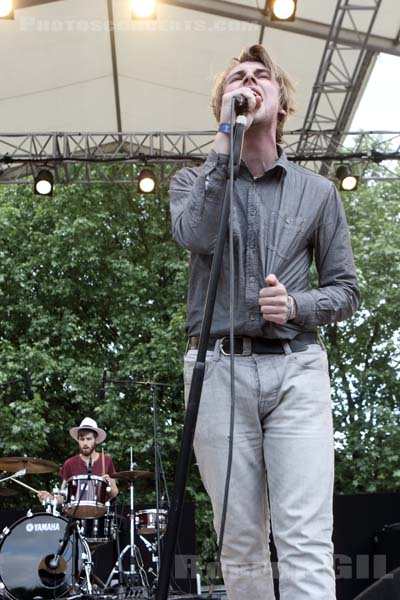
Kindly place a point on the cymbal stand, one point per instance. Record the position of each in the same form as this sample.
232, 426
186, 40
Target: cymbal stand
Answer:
132, 574
134, 579
159, 477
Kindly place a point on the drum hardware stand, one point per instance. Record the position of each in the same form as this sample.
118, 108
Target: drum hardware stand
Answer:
73, 529
158, 467
155, 557
86, 559
158, 471
51, 506
118, 564
132, 574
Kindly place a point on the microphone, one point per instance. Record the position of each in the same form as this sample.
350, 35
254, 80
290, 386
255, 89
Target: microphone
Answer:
90, 466
28, 385
102, 389
54, 562
241, 105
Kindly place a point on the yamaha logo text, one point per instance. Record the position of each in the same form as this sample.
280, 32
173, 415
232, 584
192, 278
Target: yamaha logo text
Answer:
42, 527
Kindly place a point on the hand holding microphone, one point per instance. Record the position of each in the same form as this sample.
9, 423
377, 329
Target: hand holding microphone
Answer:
247, 101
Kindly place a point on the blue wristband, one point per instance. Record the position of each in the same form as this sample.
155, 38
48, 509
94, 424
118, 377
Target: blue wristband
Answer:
225, 128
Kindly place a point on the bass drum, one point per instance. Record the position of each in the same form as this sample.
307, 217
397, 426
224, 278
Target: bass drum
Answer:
25, 551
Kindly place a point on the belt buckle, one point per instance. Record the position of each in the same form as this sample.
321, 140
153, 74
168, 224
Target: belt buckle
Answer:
246, 348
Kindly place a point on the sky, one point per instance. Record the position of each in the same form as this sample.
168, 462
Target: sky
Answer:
379, 108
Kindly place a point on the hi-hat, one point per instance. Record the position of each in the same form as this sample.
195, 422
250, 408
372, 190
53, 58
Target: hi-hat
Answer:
132, 475
12, 464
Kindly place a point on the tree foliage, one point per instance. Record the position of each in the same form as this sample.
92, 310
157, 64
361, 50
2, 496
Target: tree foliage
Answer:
365, 351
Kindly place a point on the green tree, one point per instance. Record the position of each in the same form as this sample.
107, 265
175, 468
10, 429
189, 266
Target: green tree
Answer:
364, 351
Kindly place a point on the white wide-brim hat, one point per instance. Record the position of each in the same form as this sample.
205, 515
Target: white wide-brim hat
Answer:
91, 425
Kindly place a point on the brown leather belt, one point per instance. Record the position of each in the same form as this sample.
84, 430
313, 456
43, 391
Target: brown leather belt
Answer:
245, 346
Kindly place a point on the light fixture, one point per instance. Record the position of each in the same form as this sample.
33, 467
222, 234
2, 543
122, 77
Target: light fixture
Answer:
143, 9
146, 181
44, 183
282, 10
6, 9
348, 182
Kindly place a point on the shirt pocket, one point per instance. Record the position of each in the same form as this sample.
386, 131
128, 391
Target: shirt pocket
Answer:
285, 233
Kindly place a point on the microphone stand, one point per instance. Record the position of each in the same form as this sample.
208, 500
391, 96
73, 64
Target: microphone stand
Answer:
156, 473
26, 379
54, 562
192, 409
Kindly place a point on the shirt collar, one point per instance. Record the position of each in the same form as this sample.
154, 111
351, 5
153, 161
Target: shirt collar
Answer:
282, 161
280, 165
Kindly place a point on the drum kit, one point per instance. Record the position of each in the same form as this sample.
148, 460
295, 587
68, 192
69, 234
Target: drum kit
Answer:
49, 554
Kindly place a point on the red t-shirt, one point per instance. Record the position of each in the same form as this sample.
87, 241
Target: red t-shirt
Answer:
76, 466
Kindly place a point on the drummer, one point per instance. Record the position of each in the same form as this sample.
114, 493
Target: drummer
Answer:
88, 461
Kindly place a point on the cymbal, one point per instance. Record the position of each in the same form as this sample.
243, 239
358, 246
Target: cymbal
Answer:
12, 464
7, 492
132, 475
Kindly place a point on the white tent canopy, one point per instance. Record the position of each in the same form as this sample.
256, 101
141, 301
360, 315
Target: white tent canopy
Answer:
64, 70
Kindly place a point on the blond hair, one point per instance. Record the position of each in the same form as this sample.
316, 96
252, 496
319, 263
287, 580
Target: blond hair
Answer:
257, 53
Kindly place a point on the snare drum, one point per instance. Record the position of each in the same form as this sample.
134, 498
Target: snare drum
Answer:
26, 548
86, 497
146, 521
98, 531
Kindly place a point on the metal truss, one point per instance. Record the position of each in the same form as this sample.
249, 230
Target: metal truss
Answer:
109, 158
250, 14
340, 76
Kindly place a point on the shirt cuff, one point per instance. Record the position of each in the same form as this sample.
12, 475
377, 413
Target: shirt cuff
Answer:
216, 161
305, 309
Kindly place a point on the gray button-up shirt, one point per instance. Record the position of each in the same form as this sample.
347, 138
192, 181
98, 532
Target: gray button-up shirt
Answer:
281, 221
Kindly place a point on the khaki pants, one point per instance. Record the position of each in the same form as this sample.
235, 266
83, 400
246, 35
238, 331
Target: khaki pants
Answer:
283, 438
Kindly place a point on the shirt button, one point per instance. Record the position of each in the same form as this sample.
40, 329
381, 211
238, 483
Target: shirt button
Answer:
252, 316
252, 279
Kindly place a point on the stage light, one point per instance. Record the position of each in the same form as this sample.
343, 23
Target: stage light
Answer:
6, 9
282, 10
348, 181
44, 183
146, 181
143, 9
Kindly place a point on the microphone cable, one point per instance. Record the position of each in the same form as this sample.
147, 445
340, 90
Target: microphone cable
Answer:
232, 356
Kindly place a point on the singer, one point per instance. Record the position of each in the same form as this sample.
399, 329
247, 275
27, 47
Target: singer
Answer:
88, 461
284, 218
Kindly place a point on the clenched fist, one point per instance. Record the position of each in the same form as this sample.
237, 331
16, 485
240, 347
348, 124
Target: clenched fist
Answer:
274, 301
